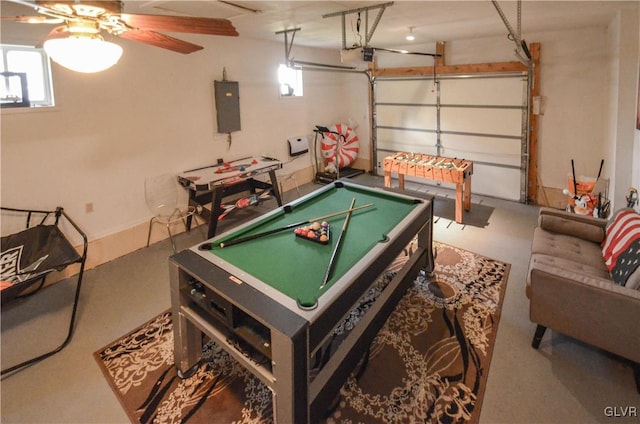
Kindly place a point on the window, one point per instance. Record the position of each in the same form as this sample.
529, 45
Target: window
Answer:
290, 80
30, 62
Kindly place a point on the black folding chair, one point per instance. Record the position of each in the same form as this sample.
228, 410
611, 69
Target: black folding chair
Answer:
29, 255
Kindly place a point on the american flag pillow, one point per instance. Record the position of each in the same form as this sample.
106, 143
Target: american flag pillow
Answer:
621, 247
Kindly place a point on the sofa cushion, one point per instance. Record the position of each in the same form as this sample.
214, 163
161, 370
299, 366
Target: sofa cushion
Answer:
574, 249
569, 269
585, 228
621, 247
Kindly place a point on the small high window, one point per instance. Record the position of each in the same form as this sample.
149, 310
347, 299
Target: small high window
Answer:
26, 77
290, 80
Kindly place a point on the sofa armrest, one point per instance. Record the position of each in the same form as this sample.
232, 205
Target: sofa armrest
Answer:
571, 224
590, 309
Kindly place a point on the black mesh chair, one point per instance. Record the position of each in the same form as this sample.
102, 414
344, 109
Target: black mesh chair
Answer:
30, 254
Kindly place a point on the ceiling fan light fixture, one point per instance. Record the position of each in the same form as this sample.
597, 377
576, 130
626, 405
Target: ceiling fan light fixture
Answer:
82, 52
410, 36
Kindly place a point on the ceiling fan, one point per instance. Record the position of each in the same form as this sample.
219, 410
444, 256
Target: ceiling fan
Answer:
89, 18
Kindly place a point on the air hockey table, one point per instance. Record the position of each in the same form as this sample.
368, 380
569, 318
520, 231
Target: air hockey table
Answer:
247, 297
211, 184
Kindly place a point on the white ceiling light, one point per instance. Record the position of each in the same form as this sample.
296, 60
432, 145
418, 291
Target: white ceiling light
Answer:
80, 47
410, 36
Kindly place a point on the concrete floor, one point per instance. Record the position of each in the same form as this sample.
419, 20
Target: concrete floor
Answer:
564, 381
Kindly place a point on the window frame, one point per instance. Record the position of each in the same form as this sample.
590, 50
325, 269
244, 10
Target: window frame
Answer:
298, 82
47, 82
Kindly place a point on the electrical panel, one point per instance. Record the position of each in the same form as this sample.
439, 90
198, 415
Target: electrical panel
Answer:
227, 95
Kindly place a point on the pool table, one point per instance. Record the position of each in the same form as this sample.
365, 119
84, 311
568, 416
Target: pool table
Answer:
262, 300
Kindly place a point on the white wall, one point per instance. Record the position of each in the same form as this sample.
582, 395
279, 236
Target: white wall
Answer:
623, 33
575, 90
153, 113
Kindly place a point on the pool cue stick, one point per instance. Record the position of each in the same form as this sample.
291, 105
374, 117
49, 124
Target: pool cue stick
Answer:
334, 254
287, 227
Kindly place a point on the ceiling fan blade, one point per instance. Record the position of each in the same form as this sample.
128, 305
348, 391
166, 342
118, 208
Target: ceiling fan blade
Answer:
32, 19
188, 24
160, 40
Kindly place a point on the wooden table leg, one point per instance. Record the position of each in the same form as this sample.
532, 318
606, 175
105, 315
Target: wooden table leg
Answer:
387, 178
401, 181
467, 193
459, 203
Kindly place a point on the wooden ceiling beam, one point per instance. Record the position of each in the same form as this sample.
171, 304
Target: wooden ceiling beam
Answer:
440, 60
477, 68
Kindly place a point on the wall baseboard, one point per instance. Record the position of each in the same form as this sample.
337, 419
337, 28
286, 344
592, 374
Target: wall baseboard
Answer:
114, 246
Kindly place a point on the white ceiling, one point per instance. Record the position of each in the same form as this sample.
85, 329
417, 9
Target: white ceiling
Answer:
432, 20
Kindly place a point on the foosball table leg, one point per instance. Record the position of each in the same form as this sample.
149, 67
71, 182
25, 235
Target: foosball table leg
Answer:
387, 178
459, 195
467, 193
401, 181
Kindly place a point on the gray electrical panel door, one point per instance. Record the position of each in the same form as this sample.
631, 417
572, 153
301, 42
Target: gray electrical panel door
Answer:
227, 95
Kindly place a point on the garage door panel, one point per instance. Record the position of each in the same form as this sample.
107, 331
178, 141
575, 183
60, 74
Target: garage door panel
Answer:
403, 141
491, 150
406, 91
484, 121
489, 91
410, 118
496, 181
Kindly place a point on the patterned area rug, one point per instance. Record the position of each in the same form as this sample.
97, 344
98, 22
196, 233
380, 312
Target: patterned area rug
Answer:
429, 363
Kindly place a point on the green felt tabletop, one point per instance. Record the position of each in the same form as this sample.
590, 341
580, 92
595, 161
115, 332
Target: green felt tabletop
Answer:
295, 266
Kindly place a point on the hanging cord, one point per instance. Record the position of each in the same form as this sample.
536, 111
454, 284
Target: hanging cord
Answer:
358, 23
519, 20
520, 44
512, 35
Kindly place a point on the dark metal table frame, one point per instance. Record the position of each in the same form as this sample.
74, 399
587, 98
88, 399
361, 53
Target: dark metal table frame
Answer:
201, 194
294, 334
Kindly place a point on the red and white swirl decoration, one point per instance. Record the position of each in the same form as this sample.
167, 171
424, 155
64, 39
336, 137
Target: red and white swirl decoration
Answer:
340, 150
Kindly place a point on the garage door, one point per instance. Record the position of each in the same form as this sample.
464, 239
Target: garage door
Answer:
477, 118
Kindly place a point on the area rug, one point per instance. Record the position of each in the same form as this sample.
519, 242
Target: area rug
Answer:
429, 363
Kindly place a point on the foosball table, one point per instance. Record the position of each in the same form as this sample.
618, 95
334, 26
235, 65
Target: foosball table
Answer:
437, 168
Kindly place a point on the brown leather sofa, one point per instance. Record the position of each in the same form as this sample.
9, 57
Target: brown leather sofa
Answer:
572, 292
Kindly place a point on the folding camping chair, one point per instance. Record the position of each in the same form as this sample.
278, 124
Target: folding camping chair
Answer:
29, 255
